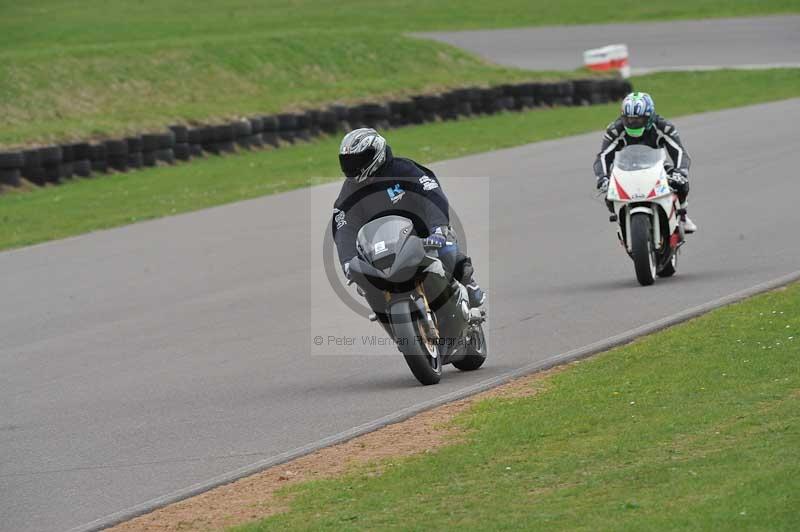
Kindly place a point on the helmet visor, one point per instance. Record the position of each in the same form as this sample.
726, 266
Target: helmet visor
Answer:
635, 122
353, 164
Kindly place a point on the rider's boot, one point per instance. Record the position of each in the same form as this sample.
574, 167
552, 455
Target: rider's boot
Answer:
463, 273
476, 296
689, 226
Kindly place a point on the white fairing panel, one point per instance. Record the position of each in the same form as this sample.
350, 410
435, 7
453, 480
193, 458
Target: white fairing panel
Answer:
643, 186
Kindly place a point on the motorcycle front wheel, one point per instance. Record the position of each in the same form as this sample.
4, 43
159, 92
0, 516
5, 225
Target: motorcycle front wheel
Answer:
419, 350
642, 252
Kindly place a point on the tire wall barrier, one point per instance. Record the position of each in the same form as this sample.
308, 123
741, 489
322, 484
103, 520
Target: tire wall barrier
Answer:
178, 143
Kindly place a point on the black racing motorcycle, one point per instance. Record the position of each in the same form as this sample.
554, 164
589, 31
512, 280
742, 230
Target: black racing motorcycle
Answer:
422, 308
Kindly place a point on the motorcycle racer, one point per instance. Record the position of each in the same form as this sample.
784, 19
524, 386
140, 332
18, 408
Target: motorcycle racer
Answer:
379, 184
639, 124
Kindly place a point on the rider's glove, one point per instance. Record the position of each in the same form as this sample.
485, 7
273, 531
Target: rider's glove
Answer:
347, 270
435, 240
677, 180
602, 184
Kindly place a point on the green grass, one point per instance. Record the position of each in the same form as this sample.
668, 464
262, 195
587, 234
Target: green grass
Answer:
91, 204
73, 70
39, 24
693, 428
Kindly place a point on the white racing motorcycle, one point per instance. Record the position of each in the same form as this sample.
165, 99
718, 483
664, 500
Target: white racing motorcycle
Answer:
650, 225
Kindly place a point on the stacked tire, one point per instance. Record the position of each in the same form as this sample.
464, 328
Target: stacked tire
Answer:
328, 122
196, 138
181, 149
269, 134
79, 162
97, 155
242, 131
51, 163
11, 164
225, 135
135, 149
314, 116
67, 158
287, 127
255, 140
117, 154
303, 126
33, 169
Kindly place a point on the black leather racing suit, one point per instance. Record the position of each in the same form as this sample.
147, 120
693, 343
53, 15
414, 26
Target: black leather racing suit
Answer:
662, 134
399, 187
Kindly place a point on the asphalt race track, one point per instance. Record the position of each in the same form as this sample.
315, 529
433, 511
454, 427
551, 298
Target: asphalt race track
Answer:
691, 44
139, 361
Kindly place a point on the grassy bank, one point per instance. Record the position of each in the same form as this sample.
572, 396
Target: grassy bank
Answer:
86, 205
93, 91
693, 428
110, 67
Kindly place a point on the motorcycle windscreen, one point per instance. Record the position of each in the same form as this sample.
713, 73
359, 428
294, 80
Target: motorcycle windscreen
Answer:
378, 241
638, 157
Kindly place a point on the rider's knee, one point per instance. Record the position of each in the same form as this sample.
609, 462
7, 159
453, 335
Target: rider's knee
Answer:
463, 271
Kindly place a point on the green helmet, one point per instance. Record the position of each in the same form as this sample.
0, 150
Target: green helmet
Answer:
638, 113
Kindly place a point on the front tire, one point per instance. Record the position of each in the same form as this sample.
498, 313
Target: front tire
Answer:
476, 351
644, 256
420, 352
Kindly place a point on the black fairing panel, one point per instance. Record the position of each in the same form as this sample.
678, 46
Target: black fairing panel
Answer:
383, 236
359, 268
408, 258
392, 251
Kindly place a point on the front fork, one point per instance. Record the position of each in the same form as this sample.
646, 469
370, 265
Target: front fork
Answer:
421, 302
655, 222
433, 330
676, 238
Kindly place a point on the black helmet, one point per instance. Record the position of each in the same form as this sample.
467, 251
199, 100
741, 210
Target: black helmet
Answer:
361, 153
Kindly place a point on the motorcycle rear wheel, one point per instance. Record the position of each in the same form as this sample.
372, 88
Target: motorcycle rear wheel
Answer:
476, 351
644, 256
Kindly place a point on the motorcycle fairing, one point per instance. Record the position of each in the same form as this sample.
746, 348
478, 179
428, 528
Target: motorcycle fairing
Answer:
639, 184
389, 246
